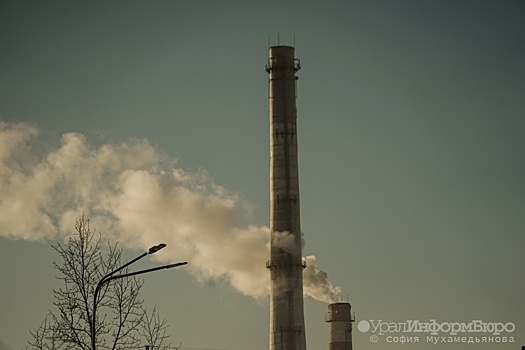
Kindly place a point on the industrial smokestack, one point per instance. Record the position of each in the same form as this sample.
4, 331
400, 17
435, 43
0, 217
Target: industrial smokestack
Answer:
286, 287
339, 326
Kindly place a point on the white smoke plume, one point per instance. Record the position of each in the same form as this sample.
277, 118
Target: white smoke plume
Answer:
139, 196
316, 284
286, 241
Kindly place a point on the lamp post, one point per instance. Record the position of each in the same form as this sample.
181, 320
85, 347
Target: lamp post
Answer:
110, 277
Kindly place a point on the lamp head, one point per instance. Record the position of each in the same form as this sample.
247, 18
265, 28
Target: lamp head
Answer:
156, 248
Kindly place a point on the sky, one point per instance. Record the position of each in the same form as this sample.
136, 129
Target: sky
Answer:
151, 118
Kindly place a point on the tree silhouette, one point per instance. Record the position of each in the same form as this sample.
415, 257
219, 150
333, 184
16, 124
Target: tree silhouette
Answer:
122, 321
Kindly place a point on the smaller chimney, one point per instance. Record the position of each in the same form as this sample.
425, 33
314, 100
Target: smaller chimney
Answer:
339, 321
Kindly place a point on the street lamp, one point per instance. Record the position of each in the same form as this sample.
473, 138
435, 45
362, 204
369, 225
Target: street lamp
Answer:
110, 277
156, 248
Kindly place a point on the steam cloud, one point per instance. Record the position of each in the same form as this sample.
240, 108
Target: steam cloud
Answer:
139, 196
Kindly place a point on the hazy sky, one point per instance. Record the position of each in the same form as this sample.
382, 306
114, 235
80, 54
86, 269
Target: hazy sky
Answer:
152, 118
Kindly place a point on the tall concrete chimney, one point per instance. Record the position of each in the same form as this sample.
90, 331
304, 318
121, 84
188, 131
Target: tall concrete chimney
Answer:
339, 326
287, 330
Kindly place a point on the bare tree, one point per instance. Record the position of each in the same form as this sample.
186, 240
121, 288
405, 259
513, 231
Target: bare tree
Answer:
154, 332
122, 321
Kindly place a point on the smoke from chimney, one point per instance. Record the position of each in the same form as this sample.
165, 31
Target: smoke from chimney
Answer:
138, 196
316, 284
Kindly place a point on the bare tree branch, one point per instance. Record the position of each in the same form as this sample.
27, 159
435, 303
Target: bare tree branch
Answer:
154, 331
122, 321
